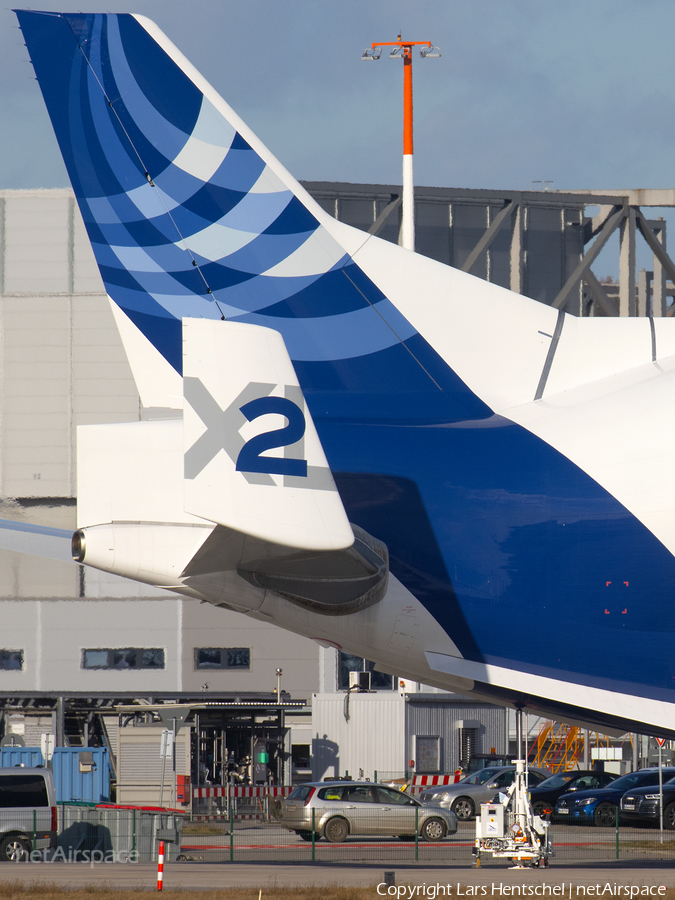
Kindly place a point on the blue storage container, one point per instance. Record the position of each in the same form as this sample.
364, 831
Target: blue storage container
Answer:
80, 773
80, 777
21, 756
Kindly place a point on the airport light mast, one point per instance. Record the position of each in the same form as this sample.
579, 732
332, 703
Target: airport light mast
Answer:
403, 50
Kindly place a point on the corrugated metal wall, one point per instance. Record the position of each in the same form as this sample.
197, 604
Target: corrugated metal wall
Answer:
379, 736
139, 765
74, 784
111, 727
21, 756
35, 727
426, 715
372, 739
62, 364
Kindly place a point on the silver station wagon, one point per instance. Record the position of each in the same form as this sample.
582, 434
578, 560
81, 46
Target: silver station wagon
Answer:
336, 809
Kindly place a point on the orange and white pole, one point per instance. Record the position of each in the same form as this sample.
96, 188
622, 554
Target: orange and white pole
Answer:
408, 199
160, 867
404, 49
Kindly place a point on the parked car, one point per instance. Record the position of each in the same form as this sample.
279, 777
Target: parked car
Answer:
642, 803
465, 797
27, 812
487, 760
337, 809
545, 795
598, 807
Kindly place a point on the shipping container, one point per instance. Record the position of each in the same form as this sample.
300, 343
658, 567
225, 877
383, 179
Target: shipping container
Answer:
80, 773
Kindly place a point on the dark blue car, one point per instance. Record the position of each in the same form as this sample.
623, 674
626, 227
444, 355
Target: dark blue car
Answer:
599, 806
546, 794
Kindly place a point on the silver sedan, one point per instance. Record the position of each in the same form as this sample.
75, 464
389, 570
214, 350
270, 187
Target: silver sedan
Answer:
337, 809
465, 797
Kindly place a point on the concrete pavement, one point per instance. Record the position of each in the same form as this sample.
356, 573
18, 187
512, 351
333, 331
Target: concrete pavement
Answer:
208, 876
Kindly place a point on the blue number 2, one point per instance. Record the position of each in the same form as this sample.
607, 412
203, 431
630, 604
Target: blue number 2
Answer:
249, 458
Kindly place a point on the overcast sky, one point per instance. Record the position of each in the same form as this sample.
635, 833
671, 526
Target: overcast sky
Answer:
576, 92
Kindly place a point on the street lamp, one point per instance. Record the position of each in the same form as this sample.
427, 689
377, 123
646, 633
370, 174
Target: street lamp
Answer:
403, 50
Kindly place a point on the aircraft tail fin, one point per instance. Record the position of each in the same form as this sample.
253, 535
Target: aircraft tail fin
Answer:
188, 213
190, 216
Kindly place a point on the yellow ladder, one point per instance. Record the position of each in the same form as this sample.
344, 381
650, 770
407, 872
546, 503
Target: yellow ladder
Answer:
558, 747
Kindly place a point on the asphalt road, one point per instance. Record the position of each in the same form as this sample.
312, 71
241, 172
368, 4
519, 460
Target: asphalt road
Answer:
207, 876
267, 855
272, 843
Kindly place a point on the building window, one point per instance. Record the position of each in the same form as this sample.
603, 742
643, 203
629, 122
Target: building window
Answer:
11, 660
123, 658
348, 663
301, 756
222, 658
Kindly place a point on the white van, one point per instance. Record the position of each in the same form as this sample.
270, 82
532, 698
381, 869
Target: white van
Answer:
28, 819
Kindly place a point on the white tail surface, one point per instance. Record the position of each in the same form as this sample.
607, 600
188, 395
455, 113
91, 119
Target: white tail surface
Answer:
253, 459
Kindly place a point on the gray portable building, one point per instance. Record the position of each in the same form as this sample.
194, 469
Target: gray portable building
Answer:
388, 734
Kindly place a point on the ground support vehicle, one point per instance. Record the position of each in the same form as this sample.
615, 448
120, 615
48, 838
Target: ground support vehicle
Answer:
465, 797
507, 827
28, 819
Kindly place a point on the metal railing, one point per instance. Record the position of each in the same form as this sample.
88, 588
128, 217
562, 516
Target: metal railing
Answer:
240, 840
118, 834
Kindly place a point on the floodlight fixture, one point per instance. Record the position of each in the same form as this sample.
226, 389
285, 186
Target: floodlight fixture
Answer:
403, 50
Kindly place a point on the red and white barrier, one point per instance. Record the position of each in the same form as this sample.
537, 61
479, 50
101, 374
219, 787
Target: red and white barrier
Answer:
246, 795
262, 790
212, 791
420, 782
224, 817
432, 780
160, 867
242, 790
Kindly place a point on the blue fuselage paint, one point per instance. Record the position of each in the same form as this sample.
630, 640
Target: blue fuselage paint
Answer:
521, 557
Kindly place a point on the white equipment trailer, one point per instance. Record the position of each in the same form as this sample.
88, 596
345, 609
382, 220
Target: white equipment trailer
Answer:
507, 827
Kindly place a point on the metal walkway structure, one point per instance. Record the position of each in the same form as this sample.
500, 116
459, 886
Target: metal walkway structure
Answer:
538, 243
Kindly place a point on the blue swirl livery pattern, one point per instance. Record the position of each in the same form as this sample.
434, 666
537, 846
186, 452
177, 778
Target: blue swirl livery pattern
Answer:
184, 217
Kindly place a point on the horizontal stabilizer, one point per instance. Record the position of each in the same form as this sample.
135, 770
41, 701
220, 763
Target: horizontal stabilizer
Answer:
37, 540
253, 459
